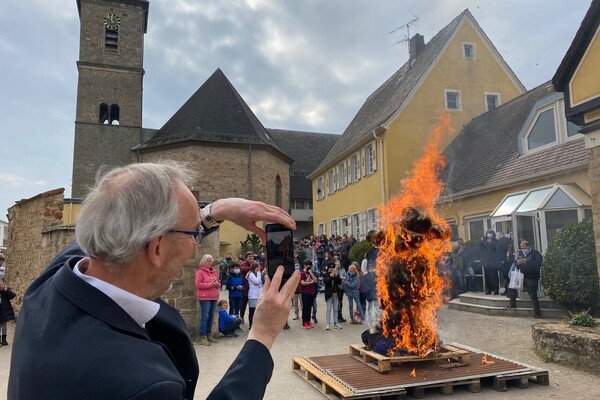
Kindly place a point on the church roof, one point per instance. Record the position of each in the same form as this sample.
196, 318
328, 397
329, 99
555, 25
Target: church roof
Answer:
485, 155
215, 113
307, 149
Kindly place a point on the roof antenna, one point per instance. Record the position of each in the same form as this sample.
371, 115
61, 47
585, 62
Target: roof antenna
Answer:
406, 38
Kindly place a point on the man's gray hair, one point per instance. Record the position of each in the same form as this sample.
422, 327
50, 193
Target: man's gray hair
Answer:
128, 207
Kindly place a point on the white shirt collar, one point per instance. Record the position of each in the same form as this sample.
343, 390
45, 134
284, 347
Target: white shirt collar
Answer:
138, 308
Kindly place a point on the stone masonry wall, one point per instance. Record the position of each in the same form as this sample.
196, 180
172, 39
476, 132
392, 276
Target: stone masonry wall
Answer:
594, 175
30, 244
230, 165
36, 234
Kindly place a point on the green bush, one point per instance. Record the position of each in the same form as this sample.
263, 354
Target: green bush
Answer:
358, 251
583, 319
570, 274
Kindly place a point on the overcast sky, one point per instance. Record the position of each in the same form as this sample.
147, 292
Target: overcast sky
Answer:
299, 64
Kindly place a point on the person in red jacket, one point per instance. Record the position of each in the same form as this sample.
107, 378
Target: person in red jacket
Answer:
207, 292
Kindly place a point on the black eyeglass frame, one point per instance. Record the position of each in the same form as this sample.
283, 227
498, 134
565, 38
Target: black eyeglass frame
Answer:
198, 235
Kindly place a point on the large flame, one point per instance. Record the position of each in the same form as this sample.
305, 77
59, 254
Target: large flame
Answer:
409, 285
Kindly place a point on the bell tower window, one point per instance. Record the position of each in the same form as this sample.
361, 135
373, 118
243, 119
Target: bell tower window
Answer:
111, 40
109, 115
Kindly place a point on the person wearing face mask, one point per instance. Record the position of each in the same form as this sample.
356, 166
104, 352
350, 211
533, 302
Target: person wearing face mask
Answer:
530, 262
235, 286
503, 243
490, 261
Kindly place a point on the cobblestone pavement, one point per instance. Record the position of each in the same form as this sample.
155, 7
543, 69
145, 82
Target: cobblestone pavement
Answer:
504, 336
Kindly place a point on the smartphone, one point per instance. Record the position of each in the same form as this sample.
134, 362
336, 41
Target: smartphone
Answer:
280, 250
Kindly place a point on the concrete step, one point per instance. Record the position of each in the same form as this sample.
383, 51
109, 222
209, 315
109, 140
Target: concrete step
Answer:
502, 301
520, 311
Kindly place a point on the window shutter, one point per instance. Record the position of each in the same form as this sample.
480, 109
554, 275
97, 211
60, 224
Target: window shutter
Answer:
374, 144
363, 160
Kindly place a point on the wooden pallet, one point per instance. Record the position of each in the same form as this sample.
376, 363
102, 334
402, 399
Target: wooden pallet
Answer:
334, 389
384, 364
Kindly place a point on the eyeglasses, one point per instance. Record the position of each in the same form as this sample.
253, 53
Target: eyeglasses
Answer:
198, 235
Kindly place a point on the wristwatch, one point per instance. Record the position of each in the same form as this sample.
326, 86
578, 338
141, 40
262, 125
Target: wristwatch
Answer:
207, 219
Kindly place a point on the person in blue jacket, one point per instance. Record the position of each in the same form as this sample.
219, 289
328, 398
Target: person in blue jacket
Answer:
228, 323
235, 286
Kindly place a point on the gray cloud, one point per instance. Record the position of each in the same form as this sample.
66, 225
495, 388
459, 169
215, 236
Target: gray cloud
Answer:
306, 65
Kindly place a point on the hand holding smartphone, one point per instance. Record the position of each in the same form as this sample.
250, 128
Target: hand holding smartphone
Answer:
280, 250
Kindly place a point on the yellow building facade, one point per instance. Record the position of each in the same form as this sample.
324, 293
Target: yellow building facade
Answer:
459, 70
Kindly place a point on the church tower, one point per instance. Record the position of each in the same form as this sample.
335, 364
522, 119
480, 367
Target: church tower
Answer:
108, 120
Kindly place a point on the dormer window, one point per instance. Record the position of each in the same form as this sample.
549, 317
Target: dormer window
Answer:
547, 126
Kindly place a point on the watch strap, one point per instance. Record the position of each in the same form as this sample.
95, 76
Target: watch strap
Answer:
207, 219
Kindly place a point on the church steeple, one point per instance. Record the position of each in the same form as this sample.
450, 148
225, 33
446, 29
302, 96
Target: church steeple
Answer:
108, 120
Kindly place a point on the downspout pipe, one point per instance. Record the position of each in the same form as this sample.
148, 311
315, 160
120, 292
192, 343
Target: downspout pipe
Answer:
380, 162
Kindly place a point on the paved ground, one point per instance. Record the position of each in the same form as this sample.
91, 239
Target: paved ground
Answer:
504, 336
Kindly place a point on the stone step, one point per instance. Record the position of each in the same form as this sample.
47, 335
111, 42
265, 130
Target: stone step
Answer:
526, 311
503, 301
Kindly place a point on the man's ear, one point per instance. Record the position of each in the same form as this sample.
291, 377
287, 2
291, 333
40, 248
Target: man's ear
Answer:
155, 250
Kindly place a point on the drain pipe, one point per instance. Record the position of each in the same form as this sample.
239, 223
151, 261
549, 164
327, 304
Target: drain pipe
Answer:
250, 194
380, 162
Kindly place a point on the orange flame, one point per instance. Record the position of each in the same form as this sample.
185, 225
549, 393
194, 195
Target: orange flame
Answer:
485, 361
413, 374
415, 330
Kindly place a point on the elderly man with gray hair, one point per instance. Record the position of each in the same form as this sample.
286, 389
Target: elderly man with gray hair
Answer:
93, 326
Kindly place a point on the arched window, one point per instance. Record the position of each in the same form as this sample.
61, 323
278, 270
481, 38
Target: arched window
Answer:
114, 114
278, 191
103, 115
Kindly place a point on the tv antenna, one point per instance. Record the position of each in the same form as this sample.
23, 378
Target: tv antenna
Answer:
406, 38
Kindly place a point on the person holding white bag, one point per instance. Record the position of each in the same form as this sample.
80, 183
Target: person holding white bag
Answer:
515, 277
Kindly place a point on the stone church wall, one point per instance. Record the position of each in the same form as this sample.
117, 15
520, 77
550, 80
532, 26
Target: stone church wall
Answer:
223, 171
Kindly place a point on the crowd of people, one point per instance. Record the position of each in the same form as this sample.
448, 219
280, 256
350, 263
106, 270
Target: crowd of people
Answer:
328, 272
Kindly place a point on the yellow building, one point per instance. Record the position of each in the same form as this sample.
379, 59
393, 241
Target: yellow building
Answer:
458, 70
521, 168
577, 76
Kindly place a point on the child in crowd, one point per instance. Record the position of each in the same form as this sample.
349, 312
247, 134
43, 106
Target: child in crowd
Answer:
6, 311
235, 286
228, 324
255, 285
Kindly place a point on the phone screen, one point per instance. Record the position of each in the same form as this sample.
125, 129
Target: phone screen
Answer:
280, 249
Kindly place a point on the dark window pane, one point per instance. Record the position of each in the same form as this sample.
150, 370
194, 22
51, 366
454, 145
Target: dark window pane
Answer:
543, 132
572, 129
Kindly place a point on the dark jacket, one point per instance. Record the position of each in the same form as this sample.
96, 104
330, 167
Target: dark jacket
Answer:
233, 282
6, 310
489, 251
369, 283
531, 268
332, 285
68, 331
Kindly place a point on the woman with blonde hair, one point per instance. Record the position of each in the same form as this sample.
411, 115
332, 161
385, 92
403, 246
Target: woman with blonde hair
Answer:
207, 292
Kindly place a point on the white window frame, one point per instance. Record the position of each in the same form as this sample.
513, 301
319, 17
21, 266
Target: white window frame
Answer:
487, 224
485, 98
372, 219
345, 225
335, 226
320, 188
356, 226
355, 162
473, 50
370, 151
321, 229
458, 99
331, 181
342, 175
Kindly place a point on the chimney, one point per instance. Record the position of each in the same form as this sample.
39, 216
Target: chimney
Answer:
417, 44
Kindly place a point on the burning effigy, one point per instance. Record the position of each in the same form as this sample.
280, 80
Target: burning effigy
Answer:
411, 240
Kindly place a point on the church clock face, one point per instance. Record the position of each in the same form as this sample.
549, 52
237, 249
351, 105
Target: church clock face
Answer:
111, 21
